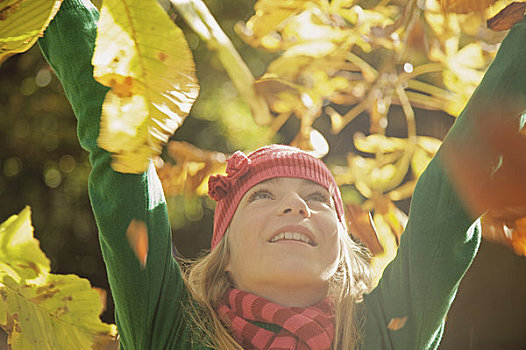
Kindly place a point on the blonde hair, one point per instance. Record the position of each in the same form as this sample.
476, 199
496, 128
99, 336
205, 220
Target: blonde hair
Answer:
207, 282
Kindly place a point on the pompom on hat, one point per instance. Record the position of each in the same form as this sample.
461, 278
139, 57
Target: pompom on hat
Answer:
243, 172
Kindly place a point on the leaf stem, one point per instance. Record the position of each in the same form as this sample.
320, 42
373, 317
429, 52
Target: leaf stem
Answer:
409, 113
199, 18
429, 89
350, 115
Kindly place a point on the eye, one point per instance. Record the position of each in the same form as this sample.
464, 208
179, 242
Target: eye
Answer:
318, 197
260, 194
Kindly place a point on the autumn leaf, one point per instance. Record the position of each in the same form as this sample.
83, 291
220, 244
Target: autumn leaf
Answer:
191, 170
137, 235
362, 227
40, 310
389, 243
424, 152
262, 29
21, 257
464, 68
54, 312
519, 236
379, 143
396, 323
22, 22
489, 173
465, 6
384, 172
506, 226
144, 58
507, 17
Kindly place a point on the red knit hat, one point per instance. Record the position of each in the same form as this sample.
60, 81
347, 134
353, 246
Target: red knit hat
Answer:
265, 163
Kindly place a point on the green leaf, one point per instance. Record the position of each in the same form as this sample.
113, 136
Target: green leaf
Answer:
143, 56
22, 22
40, 310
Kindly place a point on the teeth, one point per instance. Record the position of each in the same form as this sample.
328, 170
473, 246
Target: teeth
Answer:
296, 236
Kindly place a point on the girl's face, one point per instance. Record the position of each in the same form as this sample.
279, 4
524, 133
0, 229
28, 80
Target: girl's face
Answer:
284, 233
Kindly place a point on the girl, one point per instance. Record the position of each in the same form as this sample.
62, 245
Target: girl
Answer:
283, 272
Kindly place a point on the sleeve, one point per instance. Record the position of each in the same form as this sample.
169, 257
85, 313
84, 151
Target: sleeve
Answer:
441, 237
148, 301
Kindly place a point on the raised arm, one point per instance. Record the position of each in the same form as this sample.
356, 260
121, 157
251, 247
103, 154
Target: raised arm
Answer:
441, 239
148, 301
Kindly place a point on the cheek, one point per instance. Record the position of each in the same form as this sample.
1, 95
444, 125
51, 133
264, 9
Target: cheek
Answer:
328, 223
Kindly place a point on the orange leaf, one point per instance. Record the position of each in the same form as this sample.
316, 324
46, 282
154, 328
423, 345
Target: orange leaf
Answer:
137, 235
506, 226
490, 170
506, 18
465, 6
397, 323
518, 240
361, 226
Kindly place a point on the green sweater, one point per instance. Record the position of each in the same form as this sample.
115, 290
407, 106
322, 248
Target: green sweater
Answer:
438, 246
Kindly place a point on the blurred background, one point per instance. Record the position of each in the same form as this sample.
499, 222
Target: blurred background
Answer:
42, 165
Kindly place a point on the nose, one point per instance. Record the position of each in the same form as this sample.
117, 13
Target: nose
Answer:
294, 204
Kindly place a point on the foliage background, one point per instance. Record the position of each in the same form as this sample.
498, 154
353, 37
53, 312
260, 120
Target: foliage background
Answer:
42, 165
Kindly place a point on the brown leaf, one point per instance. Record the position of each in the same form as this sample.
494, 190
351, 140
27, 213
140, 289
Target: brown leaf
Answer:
103, 298
361, 226
397, 323
137, 235
507, 17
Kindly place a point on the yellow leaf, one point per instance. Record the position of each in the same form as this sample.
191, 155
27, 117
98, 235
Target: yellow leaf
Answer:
389, 244
55, 312
21, 258
192, 169
312, 25
378, 143
463, 71
470, 55
262, 28
144, 58
404, 191
39, 310
419, 162
465, 6
22, 22
428, 144
442, 25
313, 48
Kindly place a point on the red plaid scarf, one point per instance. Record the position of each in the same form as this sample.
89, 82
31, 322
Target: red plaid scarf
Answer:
310, 328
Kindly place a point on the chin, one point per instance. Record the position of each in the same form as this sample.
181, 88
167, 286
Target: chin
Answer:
296, 274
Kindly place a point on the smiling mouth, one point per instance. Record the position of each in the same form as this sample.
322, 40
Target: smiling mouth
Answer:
292, 236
